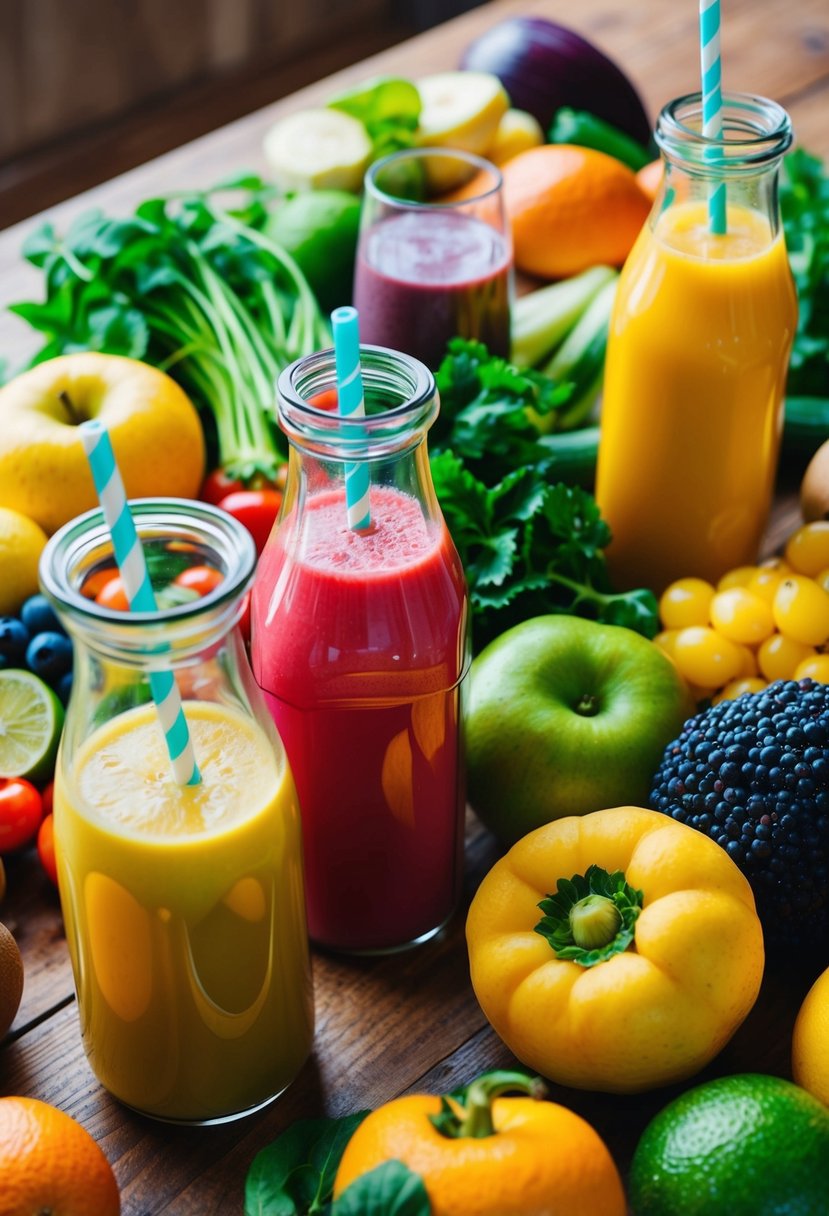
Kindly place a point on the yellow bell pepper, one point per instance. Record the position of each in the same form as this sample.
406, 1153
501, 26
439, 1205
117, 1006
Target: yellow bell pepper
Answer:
481, 1154
616, 951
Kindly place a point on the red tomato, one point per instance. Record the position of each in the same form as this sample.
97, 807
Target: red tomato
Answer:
256, 509
328, 400
47, 795
217, 485
46, 847
21, 810
113, 595
200, 579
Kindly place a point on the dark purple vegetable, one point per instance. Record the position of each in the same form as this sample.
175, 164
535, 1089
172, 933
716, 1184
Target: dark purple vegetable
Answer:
544, 66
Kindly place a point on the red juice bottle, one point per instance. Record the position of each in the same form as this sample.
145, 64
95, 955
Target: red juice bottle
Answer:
359, 643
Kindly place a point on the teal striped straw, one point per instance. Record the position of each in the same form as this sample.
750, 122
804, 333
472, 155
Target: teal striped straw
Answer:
345, 325
129, 557
712, 124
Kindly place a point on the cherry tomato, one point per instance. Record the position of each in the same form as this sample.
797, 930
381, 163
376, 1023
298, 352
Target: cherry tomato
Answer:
46, 847
328, 400
47, 795
113, 595
21, 810
200, 579
217, 485
256, 509
97, 580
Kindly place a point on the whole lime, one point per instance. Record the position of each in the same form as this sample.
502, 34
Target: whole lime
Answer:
319, 229
747, 1145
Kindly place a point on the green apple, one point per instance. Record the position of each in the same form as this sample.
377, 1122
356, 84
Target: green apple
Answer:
154, 428
566, 716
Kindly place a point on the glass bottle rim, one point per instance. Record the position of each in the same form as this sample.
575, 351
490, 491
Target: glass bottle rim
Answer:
478, 164
756, 131
86, 540
357, 437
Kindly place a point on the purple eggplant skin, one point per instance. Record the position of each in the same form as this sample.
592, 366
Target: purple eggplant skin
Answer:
544, 66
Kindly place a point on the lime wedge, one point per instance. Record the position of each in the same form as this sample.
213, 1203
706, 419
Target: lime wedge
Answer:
31, 719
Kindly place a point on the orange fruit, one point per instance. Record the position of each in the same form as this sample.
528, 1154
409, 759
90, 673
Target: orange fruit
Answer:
542, 1157
49, 1163
11, 981
649, 178
571, 208
810, 1041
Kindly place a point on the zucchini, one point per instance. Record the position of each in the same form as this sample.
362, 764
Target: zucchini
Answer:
574, 455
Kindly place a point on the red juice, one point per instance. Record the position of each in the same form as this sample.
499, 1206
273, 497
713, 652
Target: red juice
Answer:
358, 642
425, 276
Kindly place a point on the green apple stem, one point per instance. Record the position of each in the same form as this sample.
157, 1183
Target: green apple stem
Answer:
75, 417
591, 917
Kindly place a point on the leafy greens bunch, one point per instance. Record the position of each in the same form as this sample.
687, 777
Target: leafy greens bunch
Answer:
804, 203
529, 545
193, 288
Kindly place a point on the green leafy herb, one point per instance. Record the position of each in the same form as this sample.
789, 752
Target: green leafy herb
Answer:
804, 202
295, 1175
194, 288
606, 897
529, 546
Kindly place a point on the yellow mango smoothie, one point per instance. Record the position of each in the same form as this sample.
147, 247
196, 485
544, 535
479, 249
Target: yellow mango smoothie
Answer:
185, 916
692, 406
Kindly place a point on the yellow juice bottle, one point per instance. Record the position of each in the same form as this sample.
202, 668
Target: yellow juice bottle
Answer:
184, 905
697, 357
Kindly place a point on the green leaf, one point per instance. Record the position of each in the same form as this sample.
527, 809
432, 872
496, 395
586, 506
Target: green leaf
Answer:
294, 1176
118, 331
40, 244
391, 1189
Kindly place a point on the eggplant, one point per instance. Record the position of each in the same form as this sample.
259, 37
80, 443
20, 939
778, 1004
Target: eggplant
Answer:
544, 66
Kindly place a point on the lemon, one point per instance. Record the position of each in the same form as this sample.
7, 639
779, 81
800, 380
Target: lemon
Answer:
21, 544
810, 1058
747, 1145
31, 719
11, 979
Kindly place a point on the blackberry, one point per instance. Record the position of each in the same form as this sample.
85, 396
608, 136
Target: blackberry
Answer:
753, 774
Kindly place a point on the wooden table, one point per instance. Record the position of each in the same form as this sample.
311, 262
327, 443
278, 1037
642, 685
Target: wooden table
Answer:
409, 1022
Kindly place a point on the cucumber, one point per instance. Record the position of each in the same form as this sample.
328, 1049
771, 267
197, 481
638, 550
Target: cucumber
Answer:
574, 455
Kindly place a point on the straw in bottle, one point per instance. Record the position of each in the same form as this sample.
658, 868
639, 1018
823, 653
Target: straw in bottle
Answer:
129, 557
345, 325
712, 122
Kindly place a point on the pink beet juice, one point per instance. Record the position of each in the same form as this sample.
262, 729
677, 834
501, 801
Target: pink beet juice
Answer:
428, 271
359, 644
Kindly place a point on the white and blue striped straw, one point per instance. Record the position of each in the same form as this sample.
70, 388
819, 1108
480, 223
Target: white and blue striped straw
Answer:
712, 123
129, 557
345, 325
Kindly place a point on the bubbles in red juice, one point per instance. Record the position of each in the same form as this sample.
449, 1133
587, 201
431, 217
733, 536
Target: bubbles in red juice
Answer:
424, 276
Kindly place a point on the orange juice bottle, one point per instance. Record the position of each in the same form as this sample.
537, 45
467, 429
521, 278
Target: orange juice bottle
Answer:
183, 904
698, 350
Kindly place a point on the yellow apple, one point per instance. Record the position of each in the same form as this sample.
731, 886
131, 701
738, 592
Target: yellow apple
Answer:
460, 110
154, 428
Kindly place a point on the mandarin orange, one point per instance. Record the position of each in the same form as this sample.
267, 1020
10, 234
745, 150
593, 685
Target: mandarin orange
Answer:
571, 208
49, 1163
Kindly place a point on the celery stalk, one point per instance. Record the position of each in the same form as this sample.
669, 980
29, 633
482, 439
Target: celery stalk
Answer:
580, 361
543, 318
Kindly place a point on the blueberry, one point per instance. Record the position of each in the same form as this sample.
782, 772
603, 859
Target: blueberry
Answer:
38, 615
14, 638
49, 655
64, 687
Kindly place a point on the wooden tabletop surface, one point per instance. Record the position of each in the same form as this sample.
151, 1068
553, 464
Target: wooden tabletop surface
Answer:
408, 1022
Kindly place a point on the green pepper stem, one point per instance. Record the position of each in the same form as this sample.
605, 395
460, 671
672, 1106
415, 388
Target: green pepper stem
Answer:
476, 1121
594, 921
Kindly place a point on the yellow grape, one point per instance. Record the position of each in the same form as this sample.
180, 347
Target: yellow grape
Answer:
685, 602
740, 576
801, 610
705, 657
765, 583
666, 641
816, 668
736, 688
741, 616
779, 656
807, 549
